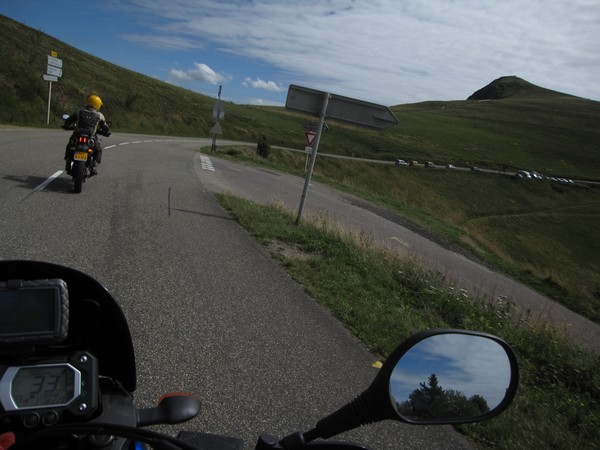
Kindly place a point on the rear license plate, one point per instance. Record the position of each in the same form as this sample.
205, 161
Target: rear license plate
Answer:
80, 156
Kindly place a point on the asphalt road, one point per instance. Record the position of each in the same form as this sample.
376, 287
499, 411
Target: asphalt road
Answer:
210, 311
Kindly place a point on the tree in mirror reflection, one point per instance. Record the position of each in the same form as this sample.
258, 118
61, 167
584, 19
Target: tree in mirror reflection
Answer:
432, 401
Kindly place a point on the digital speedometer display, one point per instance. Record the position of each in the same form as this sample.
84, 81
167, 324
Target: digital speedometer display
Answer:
51, 391
43, 386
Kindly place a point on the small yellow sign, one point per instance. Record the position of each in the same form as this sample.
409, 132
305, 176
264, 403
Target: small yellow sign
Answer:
54, 54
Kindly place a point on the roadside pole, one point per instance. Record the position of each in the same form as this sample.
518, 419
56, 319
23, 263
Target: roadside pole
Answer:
49, 99
313, 157
53, 73
218, 113
336, 107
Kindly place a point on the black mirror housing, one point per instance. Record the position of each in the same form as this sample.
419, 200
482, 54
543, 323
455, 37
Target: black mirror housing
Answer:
377, 403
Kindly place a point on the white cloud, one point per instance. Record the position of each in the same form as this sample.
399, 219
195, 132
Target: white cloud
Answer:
261, 102
163, 42
260, 84
202, 73
396, 52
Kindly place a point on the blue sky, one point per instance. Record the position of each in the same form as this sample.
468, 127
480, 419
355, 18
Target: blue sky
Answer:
468, 364
384, 51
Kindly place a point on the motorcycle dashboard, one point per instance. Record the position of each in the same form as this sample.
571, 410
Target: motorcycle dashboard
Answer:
50, 391
43, 386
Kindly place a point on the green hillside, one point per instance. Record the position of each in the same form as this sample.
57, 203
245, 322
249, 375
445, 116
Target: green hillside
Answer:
551, 133
516, 124
544, 233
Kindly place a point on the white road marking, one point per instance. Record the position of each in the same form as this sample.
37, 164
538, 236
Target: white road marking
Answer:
206, 163
42, 186
205, 160
400, 241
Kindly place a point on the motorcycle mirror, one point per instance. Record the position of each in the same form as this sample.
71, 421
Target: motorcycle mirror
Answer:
434, 377
453, 378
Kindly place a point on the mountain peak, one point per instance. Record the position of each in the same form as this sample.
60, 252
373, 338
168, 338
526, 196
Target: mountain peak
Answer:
510, 86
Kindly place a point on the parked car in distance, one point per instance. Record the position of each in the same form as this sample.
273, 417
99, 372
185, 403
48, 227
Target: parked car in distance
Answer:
567, 181
430, 165
401, 162
414, 163
450, 166
522, 174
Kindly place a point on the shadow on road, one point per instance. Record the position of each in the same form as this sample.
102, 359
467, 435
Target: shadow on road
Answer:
61, 185
199, 213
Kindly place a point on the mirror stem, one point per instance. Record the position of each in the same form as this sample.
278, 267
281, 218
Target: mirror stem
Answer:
359, 411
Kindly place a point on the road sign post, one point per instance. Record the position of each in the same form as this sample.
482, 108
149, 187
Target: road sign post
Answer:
313, 156
344, 109
218, 113
53, 73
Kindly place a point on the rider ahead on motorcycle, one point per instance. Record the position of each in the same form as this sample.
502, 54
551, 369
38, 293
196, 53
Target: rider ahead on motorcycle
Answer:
88, 120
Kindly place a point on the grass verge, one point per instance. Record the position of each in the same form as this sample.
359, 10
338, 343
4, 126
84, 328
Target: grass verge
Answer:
543, 234
383, 299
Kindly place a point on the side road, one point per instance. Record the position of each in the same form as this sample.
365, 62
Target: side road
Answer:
392, 231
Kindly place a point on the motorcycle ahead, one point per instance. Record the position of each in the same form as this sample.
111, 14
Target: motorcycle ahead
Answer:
67, 376
81, 155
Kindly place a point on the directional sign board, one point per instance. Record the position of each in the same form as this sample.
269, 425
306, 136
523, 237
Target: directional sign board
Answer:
218, 110
345, 109
51, 70
53, 61
53, 73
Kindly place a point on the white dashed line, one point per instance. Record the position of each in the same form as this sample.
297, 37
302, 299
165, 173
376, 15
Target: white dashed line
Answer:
42, 186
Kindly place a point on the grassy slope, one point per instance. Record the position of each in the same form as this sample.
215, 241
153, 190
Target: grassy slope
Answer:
551, 134
546, 234
383, 299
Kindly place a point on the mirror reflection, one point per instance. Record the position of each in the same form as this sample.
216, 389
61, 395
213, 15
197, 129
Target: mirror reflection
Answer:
450, 376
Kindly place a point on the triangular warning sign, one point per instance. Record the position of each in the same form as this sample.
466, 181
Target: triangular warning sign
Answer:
310, 137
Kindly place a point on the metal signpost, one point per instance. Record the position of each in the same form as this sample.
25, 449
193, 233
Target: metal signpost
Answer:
53, 73
344, 109
218, 113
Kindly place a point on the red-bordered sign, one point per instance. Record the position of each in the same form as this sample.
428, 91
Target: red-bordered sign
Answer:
310, 137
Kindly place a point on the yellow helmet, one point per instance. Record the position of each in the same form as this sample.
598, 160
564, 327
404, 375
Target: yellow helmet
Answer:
94, 100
